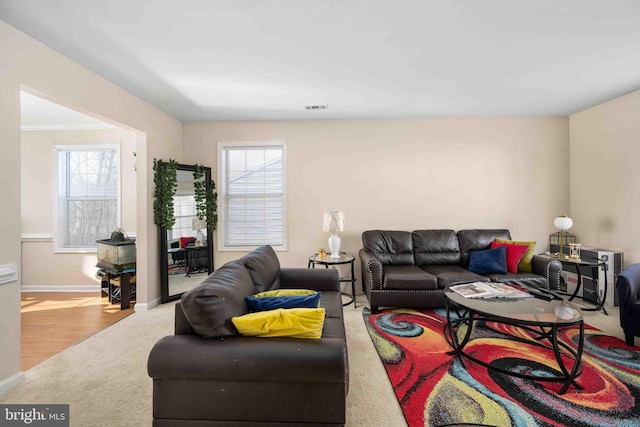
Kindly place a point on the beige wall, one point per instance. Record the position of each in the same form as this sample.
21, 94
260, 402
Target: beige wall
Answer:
408, 174
42, 268
158, 135
605, 172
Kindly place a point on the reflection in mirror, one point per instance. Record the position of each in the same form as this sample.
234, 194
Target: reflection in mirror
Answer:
186, 250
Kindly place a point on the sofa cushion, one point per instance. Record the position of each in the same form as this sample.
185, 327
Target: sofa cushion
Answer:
221, 296
514, 254
488, 261
435, 247
331, 301
478, 239
408, 277
286, 298
449, 274
389, 247
525, 262
293, 322
264, 267
333, 328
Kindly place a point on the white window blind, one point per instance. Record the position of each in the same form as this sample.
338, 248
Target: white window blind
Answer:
253, 187
184, 212
87, 182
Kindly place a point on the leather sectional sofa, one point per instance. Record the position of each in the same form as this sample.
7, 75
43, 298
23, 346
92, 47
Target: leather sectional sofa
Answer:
411, 269
237, 381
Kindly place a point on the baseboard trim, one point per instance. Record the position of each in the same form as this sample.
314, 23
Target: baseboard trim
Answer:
11, 382
61, 288
141, 306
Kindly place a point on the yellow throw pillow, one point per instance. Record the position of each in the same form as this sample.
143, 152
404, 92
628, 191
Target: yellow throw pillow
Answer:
285, 293
292, 322
525, 262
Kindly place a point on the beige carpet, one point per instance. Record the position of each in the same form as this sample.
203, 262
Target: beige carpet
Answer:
104, 378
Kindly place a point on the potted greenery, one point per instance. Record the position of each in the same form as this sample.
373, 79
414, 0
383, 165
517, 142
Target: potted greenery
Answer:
206, 198
165, 179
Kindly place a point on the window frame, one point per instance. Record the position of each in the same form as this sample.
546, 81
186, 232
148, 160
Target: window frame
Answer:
190, 233
59, 219
222, 190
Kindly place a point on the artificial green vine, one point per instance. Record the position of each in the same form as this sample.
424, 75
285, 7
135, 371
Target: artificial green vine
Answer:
206, 202
165, 179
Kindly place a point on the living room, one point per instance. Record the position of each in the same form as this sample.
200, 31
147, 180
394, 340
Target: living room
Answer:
500, 169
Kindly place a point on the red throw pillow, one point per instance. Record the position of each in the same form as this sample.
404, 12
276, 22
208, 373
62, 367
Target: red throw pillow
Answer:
514, 254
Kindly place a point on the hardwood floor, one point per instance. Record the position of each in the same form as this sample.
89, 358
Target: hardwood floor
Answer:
53, 321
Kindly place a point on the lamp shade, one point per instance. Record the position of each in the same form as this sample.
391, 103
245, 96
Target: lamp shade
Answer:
563, 223
198, 224
333, 222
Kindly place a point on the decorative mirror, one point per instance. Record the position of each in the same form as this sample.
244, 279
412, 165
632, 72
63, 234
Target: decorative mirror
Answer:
186, 248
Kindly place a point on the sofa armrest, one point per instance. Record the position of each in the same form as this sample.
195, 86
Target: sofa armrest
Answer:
549, 268
372, 270
190, 357
181, 324
319, 279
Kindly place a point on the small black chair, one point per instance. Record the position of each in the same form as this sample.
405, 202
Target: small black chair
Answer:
177, 257
628, 287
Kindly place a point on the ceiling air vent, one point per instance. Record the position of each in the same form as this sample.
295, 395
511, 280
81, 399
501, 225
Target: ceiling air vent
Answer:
316, 107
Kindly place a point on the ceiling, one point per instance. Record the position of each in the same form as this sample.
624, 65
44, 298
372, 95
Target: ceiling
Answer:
205, 60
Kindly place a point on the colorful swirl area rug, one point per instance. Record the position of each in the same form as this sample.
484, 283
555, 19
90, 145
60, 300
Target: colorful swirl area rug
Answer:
435, 389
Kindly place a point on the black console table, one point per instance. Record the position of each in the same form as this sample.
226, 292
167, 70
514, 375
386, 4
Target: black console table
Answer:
190, 255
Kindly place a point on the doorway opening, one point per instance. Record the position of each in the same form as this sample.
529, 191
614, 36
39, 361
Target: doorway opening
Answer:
62, 299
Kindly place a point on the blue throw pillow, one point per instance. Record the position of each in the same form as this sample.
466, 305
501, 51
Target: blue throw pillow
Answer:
488, 261
272, 303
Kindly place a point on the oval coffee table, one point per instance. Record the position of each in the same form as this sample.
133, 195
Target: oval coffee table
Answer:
544, 318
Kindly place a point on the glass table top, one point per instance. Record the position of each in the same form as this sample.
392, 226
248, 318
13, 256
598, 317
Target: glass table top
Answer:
532, 311
344, 258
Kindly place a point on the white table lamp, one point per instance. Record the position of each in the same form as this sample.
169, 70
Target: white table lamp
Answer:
562, 223
333, 222
198, 225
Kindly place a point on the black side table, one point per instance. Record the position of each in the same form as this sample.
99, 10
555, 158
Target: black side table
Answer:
125, 284
344, 259
594, 265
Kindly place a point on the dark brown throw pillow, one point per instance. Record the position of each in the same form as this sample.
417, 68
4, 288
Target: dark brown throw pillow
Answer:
264, 267
221, 296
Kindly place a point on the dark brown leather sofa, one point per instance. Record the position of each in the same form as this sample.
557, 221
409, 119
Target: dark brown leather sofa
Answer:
411, 269
237, 381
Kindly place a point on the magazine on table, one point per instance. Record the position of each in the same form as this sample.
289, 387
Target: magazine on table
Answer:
489, 290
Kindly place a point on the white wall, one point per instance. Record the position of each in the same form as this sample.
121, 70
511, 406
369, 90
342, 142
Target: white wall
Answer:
605, 176
29, 64
42, 268
408, 174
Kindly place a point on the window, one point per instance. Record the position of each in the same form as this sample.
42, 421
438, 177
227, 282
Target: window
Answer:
252, 179
87, 195
184, 207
